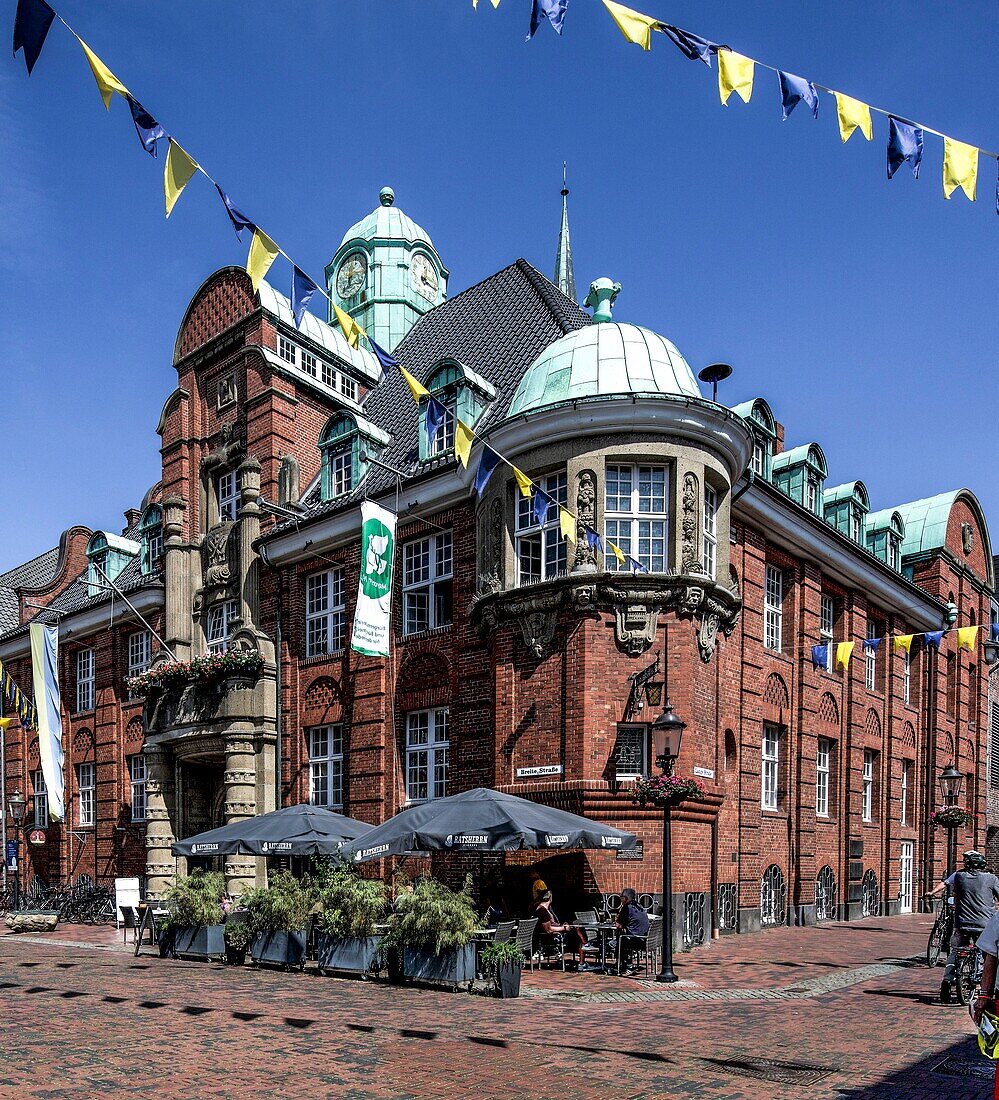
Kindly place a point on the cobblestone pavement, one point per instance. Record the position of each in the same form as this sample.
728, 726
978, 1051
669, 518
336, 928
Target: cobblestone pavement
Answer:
833, 1012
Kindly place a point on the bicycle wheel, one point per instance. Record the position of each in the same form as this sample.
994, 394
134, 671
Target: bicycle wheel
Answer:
934, 946
967, 974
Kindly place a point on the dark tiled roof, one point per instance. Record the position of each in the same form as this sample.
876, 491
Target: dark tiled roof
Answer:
32, 574
496, 328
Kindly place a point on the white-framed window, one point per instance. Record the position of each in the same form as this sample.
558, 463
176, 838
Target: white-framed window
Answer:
310, 363
227, 494
341, 471
812, 495
220, 618
325, 612
903, 791
85, 679
137, 781
773, 608
759, 463
286, 349
347, 387
855, 524
541, 550
906, 678
894, 553
140, 651
710, 532
867, 787
631, 752
329, 376
154, 545
770, 772
871, 658
426, 754
444, 437
86, 791
823, 754
41, 798
326, 765
637, 515
427, 572
827, 620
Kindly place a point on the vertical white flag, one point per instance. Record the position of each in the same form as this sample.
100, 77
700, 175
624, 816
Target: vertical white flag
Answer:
373, 614
45, 675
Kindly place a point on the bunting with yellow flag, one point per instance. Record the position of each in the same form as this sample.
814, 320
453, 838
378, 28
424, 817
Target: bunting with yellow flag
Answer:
524, 483
735, 74
904, 642
18, 700
567, 523
960, 168
177, 173
633, 25
844, 651
463, 439
967, 638
416, 388
853, 115
350, 328
107, 83
616, 551
263, 252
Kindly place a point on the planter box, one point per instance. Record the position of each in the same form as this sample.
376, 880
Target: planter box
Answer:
455, 967
508, 979
355, 954
279, 948
207, 941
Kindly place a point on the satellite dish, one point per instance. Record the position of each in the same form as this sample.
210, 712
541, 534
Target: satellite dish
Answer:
714, 373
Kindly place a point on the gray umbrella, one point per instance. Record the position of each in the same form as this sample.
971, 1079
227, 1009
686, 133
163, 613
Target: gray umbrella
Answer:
301, 830
482, 820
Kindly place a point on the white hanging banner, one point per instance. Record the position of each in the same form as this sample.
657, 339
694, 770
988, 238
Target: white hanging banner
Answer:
45, 676
373, 615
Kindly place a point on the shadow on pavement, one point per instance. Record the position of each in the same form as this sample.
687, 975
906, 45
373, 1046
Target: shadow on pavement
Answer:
957, 1071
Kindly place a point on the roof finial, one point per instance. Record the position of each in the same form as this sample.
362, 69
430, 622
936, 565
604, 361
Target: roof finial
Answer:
386, 196
603, 294
565, 280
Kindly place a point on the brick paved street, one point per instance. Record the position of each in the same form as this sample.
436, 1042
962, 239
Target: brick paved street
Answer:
89, 1020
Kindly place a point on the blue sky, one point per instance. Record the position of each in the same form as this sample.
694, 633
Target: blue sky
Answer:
865, 311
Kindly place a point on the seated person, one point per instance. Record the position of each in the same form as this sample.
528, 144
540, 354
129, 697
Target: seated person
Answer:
633, 925
549, 924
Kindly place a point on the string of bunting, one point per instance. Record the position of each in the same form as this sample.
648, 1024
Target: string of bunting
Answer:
32, 23
19, 701
841, 652
736, 73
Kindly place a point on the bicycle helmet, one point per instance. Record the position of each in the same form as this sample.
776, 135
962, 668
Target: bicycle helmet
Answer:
974, 861
988, 1034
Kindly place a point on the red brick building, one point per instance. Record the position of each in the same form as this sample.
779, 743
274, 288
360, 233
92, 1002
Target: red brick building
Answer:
515, 651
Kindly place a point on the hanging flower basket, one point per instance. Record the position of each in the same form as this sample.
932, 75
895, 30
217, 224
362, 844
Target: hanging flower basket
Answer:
667, 790
202, 670
951, 817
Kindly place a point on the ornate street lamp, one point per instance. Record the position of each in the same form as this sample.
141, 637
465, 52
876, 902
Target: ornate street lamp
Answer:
667, 734
16, 805
951, 781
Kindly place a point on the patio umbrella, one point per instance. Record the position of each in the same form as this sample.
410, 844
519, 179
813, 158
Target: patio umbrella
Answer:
301, 830
482, 820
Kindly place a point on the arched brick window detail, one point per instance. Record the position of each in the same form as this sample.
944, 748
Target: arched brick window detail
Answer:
134, 731
424, 681
776, 700
220, 303
829, 710
873, 729
83, 742
731, 754
322, 702
908, 736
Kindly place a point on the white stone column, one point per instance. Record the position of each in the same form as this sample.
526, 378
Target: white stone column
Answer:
160, 811
240, 780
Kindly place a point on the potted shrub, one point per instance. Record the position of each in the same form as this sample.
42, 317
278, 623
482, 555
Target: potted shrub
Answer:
432, 928
503, 962
351, 906
279, 914
237, 939
194, 926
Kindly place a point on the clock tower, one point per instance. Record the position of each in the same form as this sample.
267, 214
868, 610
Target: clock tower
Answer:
386, 273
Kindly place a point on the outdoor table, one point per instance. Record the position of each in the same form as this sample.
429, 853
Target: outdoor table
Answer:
604, 930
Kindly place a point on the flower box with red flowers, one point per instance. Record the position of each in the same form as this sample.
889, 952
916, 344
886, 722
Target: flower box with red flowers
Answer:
667, 790
210, 669
951, 817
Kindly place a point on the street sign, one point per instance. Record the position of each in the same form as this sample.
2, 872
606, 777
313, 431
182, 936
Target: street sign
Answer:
36, 836
543, 769
11, 855
630, 855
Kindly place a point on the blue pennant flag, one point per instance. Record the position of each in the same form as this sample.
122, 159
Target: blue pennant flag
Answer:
593, 540
31, 25
994, 632
387, 361
820, 656
905, 143
794, 89
552, 10
433, 419
487, 463
933, 638
637, 566
691, 45
302, 290
239, 220
872, 644
148, 129
542, 502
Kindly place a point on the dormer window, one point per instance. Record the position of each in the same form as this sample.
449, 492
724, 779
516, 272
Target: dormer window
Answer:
444, 386
759, 457
801, 474
107, 556
464, 395
151, 537
883, 533
894, 552
845, 507
812, 496
760, 419
342, 442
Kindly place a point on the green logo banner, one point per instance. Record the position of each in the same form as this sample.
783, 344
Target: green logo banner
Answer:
372, 618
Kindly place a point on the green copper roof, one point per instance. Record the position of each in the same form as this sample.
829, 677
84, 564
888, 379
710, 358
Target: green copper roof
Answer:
885, 519
387, 222
926, 522
810, 453
838, 493
608, 359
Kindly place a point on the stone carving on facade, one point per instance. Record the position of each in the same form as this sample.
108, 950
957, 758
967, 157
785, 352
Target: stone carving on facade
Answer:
689, 527
288, 481
635, 627
215, 550
967, 538
584, 560
538, 629
691, 599
490, 541
707, 635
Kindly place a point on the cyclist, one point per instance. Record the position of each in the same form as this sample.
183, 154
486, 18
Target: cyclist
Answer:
976, 894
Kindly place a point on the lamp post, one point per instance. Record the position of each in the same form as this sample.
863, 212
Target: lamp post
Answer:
667, 733
951, 781
16, 806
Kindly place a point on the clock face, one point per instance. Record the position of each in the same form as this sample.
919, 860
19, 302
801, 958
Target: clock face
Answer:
424, 277
350, 278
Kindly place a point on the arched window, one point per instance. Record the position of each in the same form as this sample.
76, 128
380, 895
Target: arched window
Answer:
825, 894
107, 556
773, 897
464, 395
339, 445
151, 537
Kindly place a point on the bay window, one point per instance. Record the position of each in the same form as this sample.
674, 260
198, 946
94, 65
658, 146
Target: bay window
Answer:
541, 551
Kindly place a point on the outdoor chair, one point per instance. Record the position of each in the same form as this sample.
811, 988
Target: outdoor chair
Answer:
592, 945
505, 931
645, 948
129, 920
525, 938
552, 944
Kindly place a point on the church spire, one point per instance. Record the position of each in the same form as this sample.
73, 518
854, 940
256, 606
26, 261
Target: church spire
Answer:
564, 277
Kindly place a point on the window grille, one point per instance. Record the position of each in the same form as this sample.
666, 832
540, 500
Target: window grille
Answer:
728, 906
773, 898
693, 920
825, 894
870, 894
630, 752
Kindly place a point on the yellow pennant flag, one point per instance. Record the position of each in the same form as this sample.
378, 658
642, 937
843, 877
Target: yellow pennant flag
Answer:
463, 439
417, 389
844, 651
616, 551
177, 173
633, 25
263, 252
960, 168
852, 114
6, 723
967, 638
903, 642
567, 524
735, 74
351, 329
524, 482
107, 82
475, 3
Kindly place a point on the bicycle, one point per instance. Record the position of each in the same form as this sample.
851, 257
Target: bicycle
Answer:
968, 972
940, 935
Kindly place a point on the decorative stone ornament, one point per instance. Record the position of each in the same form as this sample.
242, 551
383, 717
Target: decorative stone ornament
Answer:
967, 538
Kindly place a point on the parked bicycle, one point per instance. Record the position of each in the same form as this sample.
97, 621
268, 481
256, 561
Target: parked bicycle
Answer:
938, 945
968, 972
